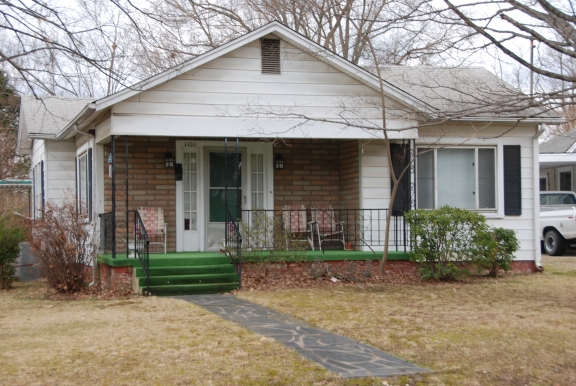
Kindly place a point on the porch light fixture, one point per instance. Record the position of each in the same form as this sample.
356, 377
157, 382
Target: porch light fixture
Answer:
279, 161
168, 160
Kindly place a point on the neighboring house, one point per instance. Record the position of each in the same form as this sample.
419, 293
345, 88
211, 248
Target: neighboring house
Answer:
558, 162
291, 103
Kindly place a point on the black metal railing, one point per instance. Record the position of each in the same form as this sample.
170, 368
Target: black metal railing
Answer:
138, 243
233, 241
336, 227
106, 232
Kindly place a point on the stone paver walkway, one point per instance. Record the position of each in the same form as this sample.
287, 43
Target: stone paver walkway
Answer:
339, 354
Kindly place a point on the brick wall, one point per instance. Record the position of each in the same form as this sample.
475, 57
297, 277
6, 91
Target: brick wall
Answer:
317, 171
115, 278
349, 175
150, 183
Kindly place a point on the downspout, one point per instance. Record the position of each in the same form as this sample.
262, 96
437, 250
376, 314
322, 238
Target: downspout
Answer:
94, 262
536, 188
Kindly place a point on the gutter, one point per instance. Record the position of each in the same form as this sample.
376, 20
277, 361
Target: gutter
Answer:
72, 126
549, 121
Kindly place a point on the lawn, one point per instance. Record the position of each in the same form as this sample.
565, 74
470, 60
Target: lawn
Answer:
520, 330
136, 341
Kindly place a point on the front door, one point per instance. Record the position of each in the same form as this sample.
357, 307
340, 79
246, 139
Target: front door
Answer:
224, 186
200, 192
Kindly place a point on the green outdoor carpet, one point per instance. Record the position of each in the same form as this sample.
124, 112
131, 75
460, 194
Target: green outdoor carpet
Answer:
206, 258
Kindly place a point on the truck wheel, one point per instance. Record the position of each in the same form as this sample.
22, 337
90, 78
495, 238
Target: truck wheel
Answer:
554, 243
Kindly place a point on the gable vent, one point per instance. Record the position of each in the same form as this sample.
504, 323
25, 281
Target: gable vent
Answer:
270, 49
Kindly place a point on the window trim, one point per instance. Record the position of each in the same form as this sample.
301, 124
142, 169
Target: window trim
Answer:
85, 156
434, 150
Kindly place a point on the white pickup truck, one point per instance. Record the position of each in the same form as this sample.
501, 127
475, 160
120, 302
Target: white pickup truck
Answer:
557, 221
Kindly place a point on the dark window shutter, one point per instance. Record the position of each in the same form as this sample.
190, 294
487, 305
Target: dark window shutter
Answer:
89, 178
512, 181
400, 158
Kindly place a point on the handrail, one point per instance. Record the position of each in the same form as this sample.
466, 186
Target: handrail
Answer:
233, 245
141, 246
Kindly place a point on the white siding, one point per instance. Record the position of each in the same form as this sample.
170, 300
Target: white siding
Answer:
230, 96
375, 177
60, 170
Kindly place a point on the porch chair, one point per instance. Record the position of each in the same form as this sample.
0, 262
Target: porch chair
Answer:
326, 226
295, 223
153, 219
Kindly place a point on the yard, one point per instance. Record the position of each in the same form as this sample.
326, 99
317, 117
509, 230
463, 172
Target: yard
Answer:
519, 330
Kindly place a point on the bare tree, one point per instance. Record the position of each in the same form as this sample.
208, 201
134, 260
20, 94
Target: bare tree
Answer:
538, 35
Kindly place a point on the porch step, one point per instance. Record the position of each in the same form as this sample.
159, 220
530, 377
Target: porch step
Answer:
189, 279
192, 289
188, 270
187, 275
162, 261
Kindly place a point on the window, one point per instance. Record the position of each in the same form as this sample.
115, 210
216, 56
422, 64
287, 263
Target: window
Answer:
565, 180
543, 184
257, 178
84, 183
270, 52
189, 170
459, 177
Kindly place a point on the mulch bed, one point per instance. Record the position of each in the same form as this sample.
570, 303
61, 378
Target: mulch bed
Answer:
256, 280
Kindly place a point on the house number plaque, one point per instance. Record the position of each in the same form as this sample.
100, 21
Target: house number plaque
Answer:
190, 144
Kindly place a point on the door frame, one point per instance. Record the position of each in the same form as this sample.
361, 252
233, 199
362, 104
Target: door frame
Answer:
202, 148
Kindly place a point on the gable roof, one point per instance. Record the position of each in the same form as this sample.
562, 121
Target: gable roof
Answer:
465, 92
285, 33
564, 143
45, 116
432, 91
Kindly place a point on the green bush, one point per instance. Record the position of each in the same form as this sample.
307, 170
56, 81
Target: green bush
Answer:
497, 247
10, 238
445, 240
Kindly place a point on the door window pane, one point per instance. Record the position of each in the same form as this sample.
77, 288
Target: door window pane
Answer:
189, 176
257, 180
224, 170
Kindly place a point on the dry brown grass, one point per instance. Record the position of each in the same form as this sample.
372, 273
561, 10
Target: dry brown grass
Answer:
518, 330
152, 341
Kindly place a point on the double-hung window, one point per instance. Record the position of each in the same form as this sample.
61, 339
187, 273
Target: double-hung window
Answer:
84, 183
458, 177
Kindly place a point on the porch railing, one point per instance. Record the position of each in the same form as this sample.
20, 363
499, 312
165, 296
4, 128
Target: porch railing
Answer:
233, 241
361, 227
139, 243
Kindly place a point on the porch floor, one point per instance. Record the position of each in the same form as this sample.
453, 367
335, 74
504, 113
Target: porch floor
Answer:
157, 259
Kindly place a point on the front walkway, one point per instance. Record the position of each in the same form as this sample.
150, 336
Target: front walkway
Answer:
337, 353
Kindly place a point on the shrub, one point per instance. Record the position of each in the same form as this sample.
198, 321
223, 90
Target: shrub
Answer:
10, 238
444, 240
496, 252
64, 242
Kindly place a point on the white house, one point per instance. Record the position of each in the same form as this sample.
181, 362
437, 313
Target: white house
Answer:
279, 98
